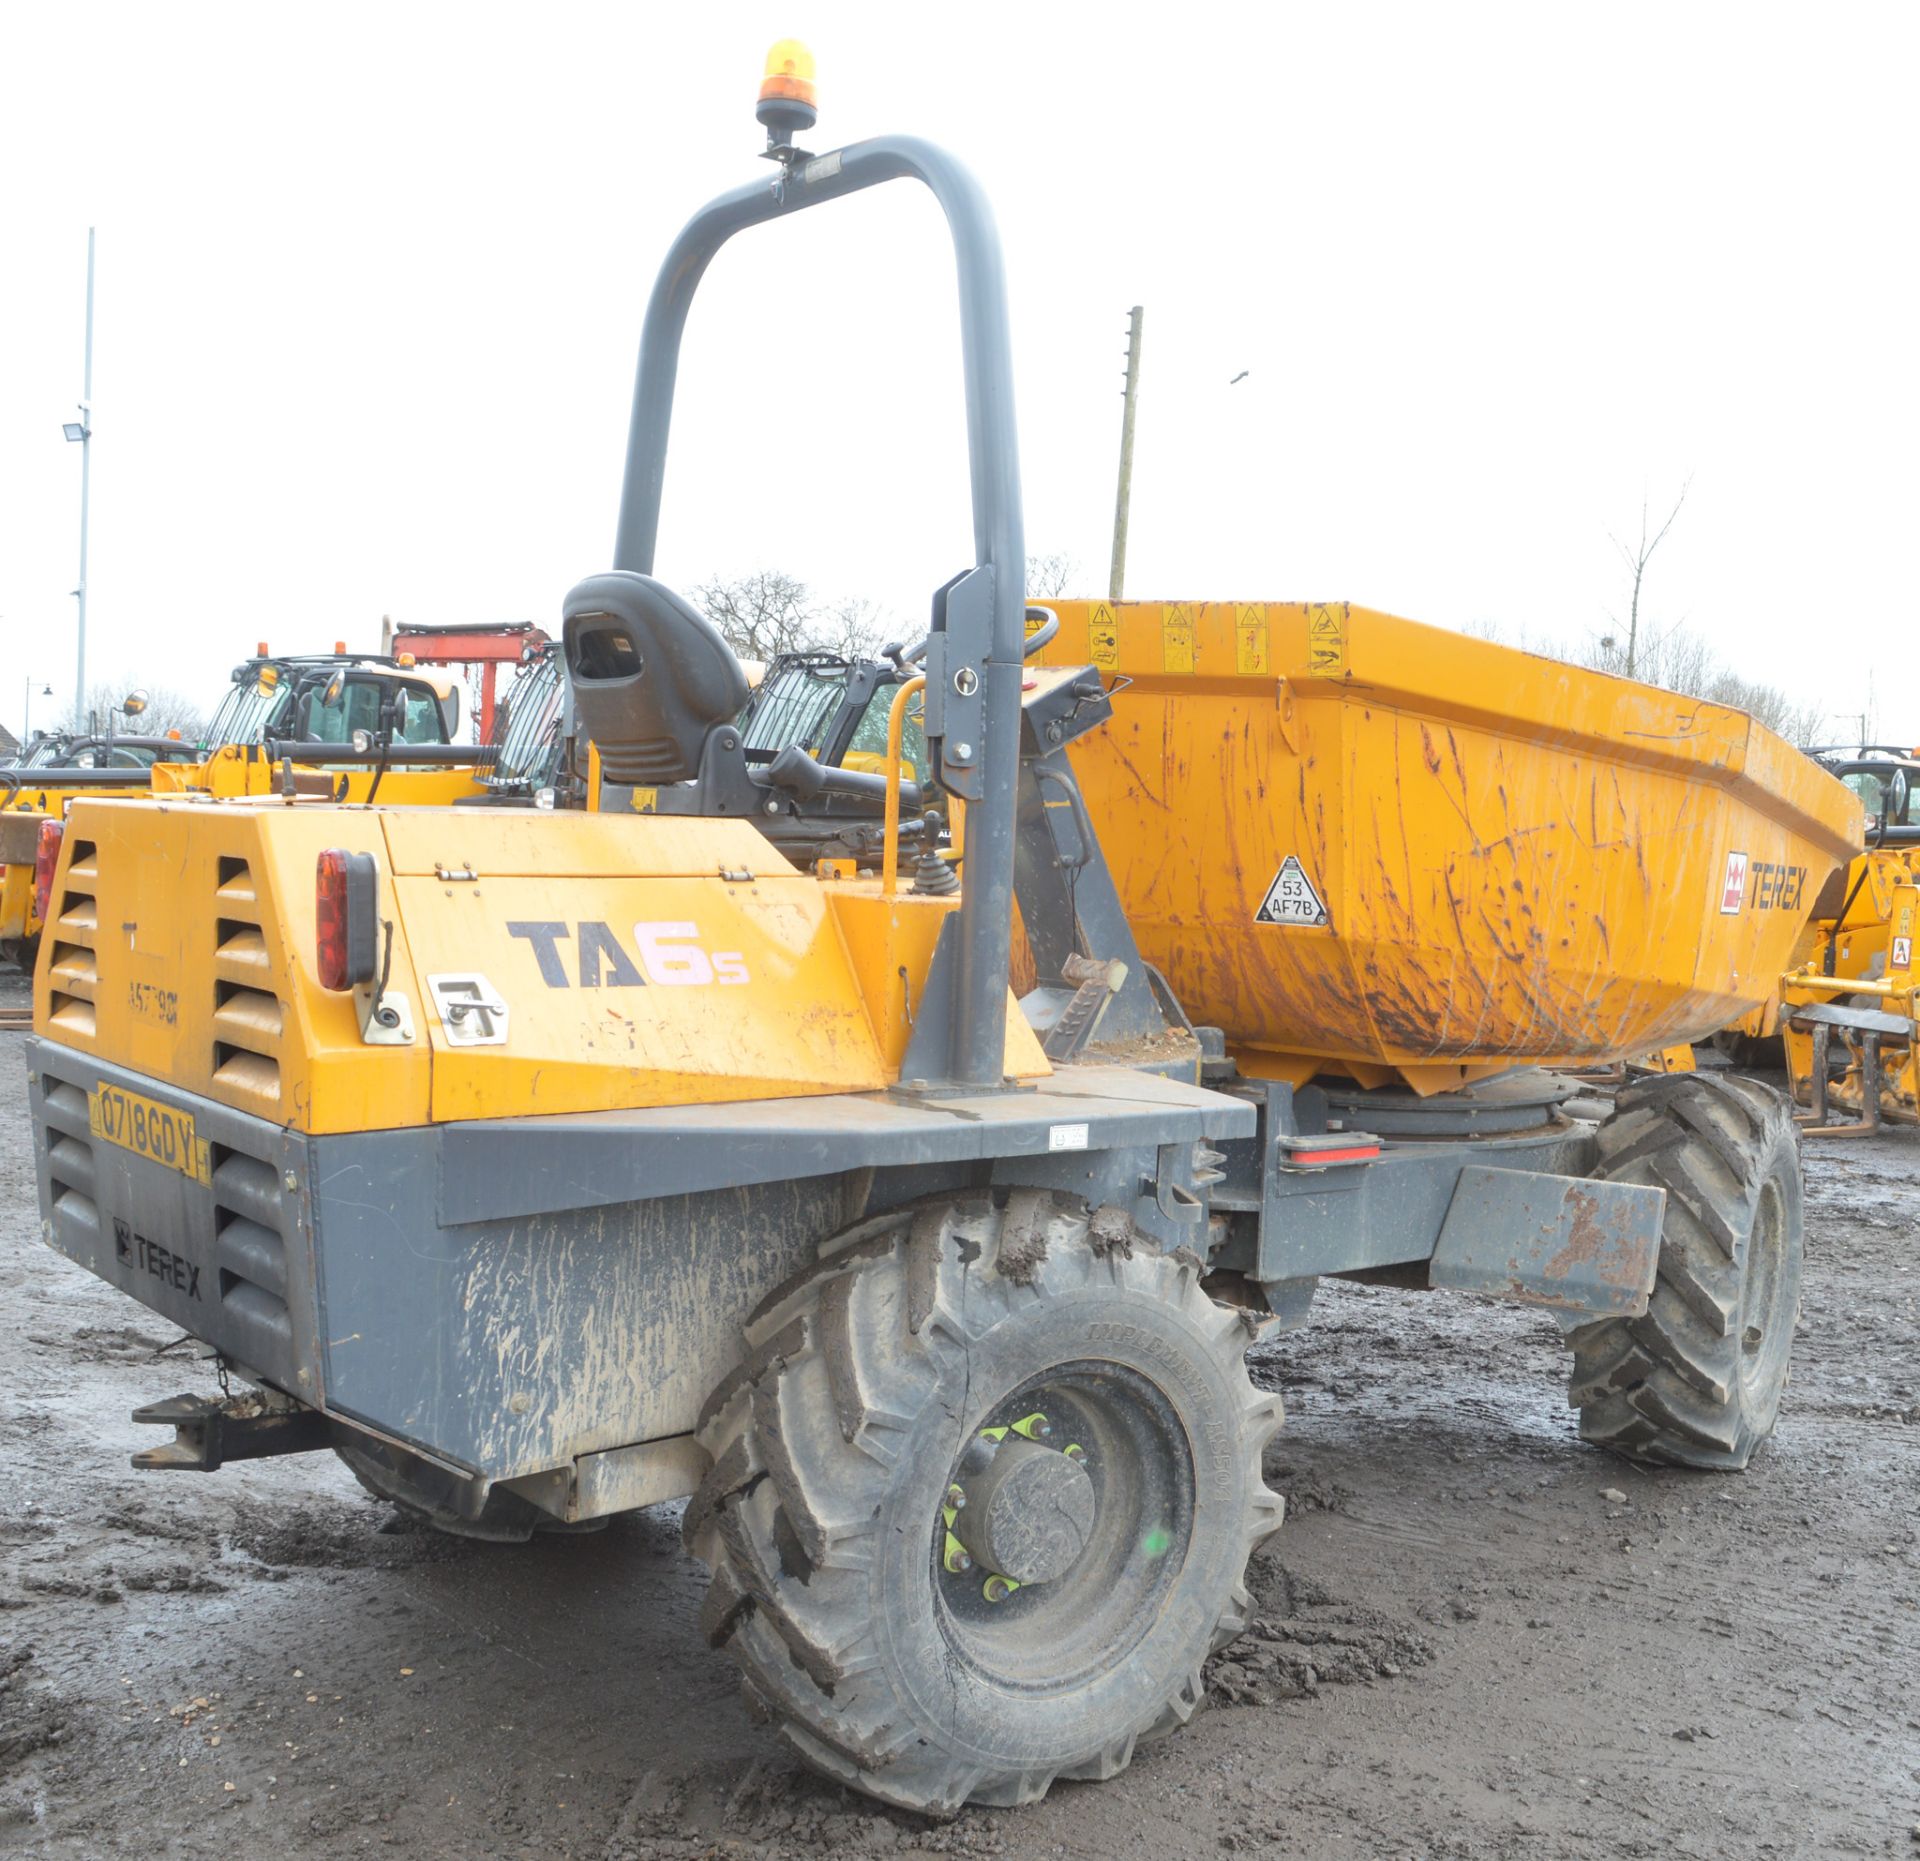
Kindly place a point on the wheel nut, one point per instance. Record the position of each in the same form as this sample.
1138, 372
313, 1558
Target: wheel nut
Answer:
956, 1496
996, 1589
1041, 1428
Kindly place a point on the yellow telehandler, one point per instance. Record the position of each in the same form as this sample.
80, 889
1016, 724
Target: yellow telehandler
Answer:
550, 1162
317, 723
1845, 1007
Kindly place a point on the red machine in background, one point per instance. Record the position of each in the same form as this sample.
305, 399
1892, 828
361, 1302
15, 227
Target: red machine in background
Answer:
489, 646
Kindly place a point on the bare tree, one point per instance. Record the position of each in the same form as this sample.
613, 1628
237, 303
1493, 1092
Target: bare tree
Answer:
1680, 660
767, 613
759, 615
1636, 560
857, 628
1050, 576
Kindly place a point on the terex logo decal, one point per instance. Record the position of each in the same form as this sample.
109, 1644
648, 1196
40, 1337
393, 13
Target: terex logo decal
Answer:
146, 1256
1775, 886
670, 955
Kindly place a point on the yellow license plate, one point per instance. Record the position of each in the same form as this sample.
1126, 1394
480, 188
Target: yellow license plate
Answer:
148, 1129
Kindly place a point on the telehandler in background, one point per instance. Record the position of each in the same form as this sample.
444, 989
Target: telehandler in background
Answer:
320, 723
1845, 1007
546, 1163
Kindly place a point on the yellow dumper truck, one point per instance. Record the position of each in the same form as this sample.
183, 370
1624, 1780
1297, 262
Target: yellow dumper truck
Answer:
547, 1163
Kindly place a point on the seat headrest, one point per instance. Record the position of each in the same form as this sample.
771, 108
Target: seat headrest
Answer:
650, 675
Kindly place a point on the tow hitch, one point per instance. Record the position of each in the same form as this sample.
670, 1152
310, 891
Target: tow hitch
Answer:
206, 1435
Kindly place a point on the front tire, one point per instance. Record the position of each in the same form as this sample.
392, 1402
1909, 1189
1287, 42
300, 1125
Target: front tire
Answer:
1697, 1380
1092, 1400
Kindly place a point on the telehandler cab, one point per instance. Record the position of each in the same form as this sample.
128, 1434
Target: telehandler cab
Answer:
549, 1163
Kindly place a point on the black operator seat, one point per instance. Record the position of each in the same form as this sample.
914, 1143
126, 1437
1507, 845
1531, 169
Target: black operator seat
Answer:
651, 677
657, 690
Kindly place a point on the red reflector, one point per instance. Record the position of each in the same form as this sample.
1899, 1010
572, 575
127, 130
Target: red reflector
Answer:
330, 918
46, 856
344, 913
1305, 1152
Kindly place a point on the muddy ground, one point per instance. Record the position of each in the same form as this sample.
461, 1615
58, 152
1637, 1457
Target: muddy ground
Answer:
1477, 1638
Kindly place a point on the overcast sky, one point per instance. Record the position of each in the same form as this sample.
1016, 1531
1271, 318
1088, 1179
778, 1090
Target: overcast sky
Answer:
371, 278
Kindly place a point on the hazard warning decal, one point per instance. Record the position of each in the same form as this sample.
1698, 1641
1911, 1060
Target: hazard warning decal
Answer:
1291, 898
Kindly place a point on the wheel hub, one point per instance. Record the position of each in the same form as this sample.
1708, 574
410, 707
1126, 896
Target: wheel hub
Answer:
1029, 1511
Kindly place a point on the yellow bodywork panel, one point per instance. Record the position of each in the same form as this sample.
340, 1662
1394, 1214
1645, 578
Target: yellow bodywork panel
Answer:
639, 960
1350, 838
228, 773
241, 770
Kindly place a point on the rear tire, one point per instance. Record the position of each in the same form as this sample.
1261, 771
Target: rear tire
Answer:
1696, 1381
869, 1382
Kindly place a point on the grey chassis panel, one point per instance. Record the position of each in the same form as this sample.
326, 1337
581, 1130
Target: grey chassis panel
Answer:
523, 1166
514, 1345
513, 1340
1580, 1246
1351, 1216
146, 1228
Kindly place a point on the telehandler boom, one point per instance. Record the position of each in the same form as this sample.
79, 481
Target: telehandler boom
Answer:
548, 1163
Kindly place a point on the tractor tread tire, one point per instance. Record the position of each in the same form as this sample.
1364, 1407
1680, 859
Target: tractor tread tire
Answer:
821, 1445
1668, 1386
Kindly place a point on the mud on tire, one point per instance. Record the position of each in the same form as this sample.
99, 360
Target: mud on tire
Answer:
1697, 1381
869, 1382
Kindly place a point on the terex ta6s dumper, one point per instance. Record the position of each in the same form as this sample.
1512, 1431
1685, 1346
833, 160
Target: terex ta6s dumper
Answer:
547, 1164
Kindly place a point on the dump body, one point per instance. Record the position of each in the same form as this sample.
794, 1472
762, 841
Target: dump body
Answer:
1349, 838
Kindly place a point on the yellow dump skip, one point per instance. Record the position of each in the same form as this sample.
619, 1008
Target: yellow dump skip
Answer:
1346, 837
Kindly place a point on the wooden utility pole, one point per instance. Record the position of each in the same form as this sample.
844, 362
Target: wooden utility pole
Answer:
1117, 575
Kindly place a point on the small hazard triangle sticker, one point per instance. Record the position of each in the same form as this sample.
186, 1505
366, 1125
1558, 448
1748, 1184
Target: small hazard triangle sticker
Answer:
1291, 898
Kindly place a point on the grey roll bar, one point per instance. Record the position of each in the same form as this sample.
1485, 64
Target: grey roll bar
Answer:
974, 656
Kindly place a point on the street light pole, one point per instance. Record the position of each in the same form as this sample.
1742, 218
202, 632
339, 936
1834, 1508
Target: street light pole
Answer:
26, 708
83, 432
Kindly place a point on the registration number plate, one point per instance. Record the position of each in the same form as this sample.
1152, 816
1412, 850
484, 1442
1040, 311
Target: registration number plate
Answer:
149, 1129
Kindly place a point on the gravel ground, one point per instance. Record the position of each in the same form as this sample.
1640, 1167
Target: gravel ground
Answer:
1477, 1638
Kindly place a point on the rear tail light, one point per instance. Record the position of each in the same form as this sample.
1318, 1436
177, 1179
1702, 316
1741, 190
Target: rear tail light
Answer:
46, 856
346, 918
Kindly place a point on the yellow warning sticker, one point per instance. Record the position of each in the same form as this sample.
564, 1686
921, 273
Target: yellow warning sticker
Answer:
1327, 642
1250, 639
1103, 636
1176, 637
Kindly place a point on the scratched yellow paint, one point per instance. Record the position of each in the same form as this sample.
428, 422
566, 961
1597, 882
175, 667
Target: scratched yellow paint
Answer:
1521, 860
